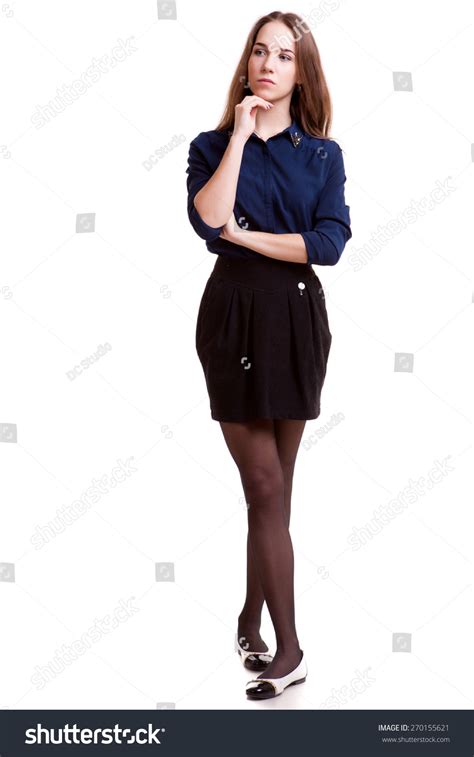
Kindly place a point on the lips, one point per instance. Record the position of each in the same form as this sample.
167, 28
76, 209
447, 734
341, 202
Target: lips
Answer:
267, 81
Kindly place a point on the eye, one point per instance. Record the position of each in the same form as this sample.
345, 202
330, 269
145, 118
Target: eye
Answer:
282, 55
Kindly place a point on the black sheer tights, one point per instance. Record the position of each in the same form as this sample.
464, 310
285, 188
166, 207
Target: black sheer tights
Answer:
265, 454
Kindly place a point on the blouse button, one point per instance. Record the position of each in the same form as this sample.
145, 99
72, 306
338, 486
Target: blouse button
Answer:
301, 286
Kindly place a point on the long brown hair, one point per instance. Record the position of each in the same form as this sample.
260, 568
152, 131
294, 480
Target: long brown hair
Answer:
311, 106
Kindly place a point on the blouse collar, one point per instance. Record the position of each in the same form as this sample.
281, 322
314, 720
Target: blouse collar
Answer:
294, 131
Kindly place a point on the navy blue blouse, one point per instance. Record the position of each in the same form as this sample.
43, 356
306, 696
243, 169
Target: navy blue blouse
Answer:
292, 183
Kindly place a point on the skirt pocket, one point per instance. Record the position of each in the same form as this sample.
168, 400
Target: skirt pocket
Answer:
319, 299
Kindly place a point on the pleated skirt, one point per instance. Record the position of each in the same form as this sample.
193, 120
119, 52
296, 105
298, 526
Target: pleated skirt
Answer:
263, 339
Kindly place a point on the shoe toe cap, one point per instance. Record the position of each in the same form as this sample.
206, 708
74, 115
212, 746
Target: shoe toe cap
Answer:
262, 688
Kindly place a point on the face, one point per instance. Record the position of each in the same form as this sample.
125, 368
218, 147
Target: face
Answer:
273, 57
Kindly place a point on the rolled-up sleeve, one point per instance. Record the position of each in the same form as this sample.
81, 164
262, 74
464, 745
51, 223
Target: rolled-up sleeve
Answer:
332, 224
199, 173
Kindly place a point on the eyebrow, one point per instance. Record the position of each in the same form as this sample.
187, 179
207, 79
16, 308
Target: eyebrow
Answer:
282, 50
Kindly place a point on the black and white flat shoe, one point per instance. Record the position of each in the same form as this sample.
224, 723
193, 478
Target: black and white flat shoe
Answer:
267, 688
253, 660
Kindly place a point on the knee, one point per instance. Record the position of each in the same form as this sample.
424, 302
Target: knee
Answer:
263, 483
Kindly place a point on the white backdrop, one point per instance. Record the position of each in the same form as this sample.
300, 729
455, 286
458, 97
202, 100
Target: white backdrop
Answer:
123, 522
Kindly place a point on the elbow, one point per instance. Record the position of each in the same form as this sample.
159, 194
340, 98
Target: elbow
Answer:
326, 249
210, 221
202, 229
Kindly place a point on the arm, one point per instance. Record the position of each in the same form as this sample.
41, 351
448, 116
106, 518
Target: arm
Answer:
332, 224
289, 247
321, 245
211, 198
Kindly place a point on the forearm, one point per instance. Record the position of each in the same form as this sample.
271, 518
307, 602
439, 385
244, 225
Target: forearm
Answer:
290, 247
215, 201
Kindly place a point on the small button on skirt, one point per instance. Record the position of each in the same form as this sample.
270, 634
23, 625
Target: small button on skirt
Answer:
263, 339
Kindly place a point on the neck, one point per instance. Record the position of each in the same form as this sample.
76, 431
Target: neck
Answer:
272, 121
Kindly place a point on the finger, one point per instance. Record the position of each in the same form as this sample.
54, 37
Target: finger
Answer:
252, 100
254, 97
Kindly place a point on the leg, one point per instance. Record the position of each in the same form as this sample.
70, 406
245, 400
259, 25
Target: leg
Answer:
288, 435
253, 447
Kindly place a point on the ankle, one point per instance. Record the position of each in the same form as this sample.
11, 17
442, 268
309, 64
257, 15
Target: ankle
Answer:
288, 647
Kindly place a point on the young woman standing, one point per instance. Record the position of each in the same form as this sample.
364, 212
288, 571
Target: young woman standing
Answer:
266, 193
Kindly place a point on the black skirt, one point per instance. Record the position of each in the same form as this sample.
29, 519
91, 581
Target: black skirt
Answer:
263, 339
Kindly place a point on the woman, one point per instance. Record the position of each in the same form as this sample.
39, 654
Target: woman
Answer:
266, 193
